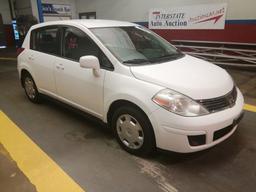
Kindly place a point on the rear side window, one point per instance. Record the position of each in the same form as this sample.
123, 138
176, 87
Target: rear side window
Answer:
45, 40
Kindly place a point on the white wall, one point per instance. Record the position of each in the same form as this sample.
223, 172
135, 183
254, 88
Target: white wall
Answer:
34, 8
5, 12
137, 10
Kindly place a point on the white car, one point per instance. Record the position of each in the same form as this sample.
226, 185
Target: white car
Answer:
148, 92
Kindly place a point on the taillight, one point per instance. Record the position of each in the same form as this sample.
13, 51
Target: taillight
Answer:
19, 51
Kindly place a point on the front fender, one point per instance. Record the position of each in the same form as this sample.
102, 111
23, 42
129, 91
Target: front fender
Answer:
123, 87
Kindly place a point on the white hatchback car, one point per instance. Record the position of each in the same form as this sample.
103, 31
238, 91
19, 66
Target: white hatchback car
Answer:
151, 94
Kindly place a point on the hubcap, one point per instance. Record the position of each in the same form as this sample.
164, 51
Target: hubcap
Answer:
129, 131
30, 88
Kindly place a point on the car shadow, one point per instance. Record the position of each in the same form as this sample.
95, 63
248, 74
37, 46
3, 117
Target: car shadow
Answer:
99, 127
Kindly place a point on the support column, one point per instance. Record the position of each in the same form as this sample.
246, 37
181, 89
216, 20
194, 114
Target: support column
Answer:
40, 11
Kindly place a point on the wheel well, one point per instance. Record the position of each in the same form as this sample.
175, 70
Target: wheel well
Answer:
116, 104
23, 73
119, 103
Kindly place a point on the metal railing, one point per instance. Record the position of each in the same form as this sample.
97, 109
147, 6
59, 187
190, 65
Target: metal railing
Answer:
220, 53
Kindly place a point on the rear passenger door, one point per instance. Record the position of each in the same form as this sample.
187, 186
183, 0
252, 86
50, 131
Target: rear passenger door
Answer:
76, 85
45, 46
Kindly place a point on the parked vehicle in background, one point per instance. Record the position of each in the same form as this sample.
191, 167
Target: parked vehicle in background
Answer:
151, 94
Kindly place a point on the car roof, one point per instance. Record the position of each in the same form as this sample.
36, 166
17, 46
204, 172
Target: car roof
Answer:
88, 23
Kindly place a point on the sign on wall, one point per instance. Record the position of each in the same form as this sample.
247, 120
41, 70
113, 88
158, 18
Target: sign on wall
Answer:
207, 16
56, 9
15, 30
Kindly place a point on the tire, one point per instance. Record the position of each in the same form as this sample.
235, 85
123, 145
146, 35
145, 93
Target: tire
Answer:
133, 131
30, 88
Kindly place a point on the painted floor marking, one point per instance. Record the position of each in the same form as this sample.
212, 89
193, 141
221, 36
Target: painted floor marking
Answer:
40, 169
8, 58
251, 108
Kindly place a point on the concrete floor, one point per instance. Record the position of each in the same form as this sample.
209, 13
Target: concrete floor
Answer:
87, 151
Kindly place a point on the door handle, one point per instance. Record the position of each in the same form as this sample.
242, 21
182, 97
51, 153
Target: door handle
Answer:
31, 57
60, 66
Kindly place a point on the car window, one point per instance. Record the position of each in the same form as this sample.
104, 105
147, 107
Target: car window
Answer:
45, 40
136, 45
77, 44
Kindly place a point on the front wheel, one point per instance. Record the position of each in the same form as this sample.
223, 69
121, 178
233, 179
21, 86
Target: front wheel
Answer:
133, 131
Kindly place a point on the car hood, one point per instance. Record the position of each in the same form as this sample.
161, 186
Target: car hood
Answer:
190, 76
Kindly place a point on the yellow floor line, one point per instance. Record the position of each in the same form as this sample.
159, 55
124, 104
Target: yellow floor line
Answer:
40, 169
8, 58
251, 108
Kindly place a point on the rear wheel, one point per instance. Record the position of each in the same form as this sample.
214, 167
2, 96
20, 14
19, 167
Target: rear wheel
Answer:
30, 88
133, 130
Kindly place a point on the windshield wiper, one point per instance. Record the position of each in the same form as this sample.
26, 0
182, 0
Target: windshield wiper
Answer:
167, 57
136, 61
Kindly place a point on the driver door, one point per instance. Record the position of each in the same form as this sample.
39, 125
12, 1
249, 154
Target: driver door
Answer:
75, 85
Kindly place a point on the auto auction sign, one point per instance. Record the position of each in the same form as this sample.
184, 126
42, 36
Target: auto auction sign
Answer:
206, 16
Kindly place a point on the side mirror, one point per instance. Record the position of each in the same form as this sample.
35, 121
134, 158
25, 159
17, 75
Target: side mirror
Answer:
90, 62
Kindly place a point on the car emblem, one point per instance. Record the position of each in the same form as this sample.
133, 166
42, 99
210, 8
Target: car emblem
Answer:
231, 100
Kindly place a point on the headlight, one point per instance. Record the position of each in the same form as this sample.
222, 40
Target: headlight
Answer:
178, 103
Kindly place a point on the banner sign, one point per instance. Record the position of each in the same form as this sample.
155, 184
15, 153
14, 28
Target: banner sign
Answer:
206, 16
56, 9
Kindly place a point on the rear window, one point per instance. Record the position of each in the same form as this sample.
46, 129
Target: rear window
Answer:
45, 40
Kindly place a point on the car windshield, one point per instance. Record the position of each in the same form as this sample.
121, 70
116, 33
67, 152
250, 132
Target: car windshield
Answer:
136, 45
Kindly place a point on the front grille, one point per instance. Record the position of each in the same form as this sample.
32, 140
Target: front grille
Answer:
220, 103
222, 132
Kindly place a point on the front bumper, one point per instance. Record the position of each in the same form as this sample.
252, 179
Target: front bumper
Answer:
172, 131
